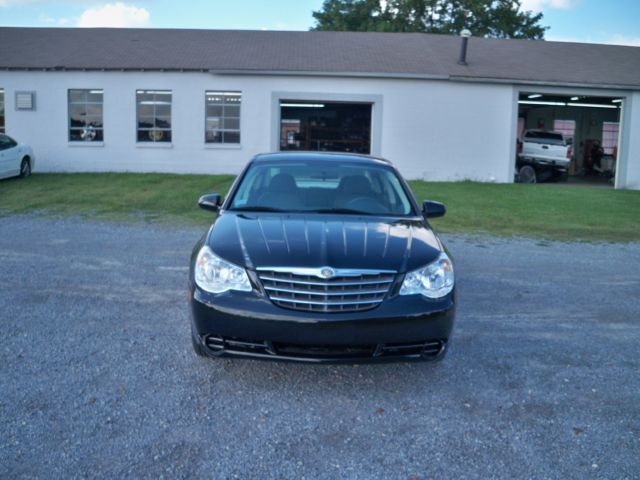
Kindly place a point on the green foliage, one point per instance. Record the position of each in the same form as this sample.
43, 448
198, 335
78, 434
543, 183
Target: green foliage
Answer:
353, 16
485, 18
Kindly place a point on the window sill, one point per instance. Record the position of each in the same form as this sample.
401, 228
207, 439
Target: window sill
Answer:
85, 144
154, 145
223, 146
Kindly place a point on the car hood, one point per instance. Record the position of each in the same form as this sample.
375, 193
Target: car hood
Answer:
300, 240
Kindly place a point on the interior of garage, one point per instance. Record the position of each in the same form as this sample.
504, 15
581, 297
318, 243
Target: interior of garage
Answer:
325, 126
590, 124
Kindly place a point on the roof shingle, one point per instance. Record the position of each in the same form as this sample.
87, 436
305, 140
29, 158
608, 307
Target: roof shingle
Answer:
322, 53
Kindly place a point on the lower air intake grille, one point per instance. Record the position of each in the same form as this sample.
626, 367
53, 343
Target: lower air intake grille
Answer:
427, 349
307, 290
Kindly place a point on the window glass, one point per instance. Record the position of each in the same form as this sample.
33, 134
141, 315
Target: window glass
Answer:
4, 142
544, 137
2, 128
85, 115
323, 186
610, 137
153, 109
566, 127
222, 123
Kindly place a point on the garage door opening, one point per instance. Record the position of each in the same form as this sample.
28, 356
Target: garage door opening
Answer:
325, 126
583, 129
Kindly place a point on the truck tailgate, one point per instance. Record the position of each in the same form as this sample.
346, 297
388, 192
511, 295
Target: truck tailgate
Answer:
544, 151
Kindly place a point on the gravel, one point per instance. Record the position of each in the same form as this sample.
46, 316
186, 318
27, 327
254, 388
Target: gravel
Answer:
98, 379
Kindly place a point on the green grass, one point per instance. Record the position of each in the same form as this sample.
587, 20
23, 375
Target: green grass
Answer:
556, 211
114, 196
553, 211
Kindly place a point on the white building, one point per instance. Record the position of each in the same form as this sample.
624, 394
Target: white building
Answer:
198, 101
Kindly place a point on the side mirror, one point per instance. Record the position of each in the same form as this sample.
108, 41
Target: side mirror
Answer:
433, 209
211, 202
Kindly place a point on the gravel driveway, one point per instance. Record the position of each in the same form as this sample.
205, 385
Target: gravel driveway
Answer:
98, 379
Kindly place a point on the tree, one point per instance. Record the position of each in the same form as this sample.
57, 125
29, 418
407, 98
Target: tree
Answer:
485, 18
353, 16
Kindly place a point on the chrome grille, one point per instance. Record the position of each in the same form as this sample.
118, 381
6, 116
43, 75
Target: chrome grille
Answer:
345, 291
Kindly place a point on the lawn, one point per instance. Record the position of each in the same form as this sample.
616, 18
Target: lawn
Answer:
553, 211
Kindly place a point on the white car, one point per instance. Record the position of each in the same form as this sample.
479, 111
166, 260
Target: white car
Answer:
15, 158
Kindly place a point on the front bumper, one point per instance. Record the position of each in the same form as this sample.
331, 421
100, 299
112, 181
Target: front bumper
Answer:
249, 325
545, 161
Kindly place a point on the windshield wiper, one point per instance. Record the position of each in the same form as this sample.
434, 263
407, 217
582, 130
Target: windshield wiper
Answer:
256, 208
261, 208
341, 210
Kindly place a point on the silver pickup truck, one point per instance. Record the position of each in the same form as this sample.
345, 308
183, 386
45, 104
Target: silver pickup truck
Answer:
542, 156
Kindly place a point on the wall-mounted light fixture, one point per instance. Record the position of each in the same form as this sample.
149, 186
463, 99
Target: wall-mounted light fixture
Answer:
539, 102
302, 105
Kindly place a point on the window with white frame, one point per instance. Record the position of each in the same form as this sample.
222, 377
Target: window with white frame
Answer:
610, 136
85, 115
2, 129
566, 127
153, 115
222, 119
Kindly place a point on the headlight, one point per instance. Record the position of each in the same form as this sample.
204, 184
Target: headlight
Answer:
216, 275
433, 281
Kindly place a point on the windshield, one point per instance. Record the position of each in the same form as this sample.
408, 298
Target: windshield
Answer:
322, 187
552, 138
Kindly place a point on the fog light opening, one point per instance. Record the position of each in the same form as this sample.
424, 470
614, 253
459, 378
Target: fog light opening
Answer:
214, 343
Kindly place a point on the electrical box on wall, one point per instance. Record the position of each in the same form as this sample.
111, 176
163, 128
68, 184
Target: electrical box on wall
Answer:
25, 100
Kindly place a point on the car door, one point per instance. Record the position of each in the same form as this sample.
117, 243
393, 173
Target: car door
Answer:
10, 155
5, 156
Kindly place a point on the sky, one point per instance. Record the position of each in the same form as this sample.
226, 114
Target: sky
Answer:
592, 21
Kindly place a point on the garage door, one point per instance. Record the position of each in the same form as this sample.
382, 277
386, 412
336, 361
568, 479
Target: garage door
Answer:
588, 125
325, 126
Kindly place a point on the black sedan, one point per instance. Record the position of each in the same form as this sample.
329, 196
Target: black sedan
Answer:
321, 257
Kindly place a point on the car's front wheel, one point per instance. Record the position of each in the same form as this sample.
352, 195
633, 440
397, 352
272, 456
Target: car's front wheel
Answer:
25, 168
527, 174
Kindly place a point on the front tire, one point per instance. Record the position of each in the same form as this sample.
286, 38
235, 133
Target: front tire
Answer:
527, 174
25, 168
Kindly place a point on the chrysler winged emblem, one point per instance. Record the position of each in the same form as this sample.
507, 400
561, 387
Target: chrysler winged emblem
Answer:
327, 272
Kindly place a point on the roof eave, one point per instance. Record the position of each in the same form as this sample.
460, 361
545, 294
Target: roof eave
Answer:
424, 76
308, 73
542, 83
345, 74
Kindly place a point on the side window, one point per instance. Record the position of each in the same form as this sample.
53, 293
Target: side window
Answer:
85, 115
7, 142
153, 109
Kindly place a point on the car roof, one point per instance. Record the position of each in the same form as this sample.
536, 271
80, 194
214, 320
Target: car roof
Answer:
318, 156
